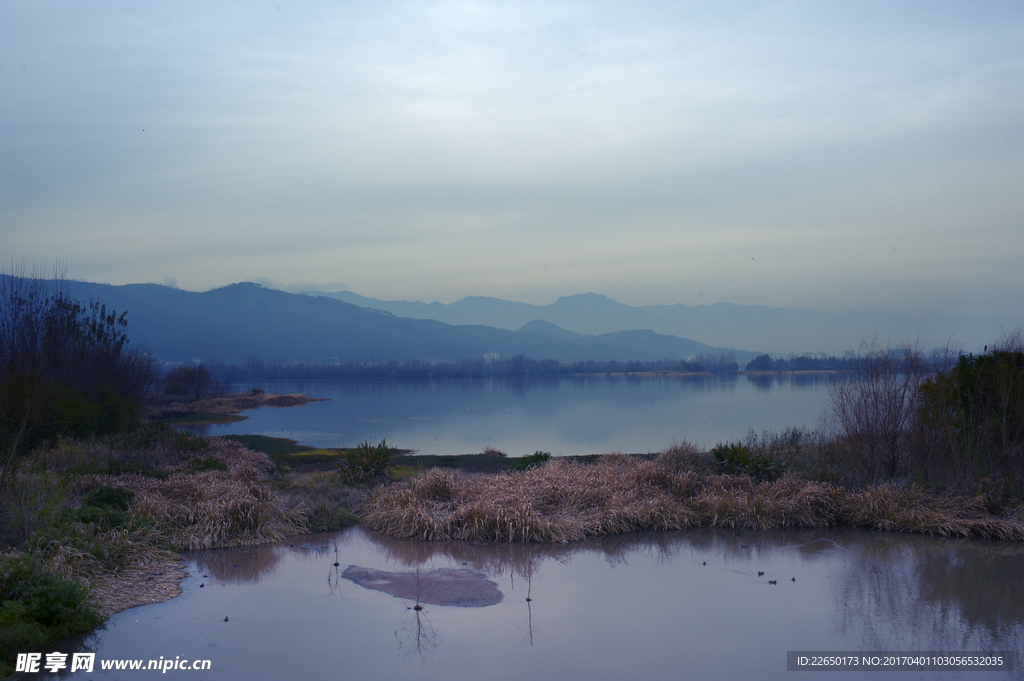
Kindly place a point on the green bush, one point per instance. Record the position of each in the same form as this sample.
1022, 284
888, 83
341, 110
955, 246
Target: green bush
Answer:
365, 463
105, 506
738, 459
38, 608
971, 422
534, 460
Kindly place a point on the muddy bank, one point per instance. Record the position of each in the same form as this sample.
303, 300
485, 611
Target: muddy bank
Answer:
444, 586
232, 403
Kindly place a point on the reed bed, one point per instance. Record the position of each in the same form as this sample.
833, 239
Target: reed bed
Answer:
123, 567
567, 501
213, 508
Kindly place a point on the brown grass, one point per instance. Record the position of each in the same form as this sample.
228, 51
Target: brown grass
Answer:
213, 508
565, 501
122, 567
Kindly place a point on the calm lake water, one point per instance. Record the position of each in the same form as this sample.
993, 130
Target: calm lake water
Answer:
592, 415
674, 605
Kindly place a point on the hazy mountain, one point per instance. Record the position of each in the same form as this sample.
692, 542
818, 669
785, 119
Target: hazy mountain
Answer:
775, 330
231, 323
547, 329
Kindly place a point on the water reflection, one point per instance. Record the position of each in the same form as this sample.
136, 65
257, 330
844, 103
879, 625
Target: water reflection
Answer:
952, 595
647, 604
563, 415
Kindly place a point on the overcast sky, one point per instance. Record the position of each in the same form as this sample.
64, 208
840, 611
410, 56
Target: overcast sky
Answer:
816, 155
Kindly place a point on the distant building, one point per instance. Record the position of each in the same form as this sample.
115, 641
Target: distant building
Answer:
491, 357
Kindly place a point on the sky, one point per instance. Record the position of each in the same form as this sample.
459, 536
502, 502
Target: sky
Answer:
817, 155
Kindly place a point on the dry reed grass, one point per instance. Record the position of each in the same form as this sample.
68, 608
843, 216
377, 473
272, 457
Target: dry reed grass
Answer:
131, 564
213, 508
566, 501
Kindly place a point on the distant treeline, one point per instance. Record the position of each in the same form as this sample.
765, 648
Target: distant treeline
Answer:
519, 365
766, 363
936, 360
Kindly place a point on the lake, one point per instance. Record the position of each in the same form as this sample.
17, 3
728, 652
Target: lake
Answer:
702, 603
564, 416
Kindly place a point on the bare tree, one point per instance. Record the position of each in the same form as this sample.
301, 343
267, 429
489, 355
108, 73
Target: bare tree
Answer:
874, 407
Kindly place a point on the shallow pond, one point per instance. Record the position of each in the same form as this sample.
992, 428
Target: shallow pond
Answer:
579, 415
691, 604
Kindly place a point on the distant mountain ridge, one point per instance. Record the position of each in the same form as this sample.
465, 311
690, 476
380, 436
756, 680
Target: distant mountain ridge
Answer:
773, 330
239, 321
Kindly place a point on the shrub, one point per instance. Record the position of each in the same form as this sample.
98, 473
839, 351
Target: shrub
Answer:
532, 461
193, 381
971, 422
64, 367
38, 608
874, 407
738, 459
365, 463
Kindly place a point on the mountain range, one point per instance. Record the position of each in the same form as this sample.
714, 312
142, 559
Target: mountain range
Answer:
769, 329
239, 321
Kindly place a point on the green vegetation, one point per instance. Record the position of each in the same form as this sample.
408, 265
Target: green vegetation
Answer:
38, 607
534, 460
366, 463
65, 370
738, 459
953, 423
971, 424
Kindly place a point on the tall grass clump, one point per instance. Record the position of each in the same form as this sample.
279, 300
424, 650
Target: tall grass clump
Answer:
366, 463
565, 500
213, 508
326, 504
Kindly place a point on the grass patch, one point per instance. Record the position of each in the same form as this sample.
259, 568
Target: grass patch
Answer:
567, 500
286, 452
271, 446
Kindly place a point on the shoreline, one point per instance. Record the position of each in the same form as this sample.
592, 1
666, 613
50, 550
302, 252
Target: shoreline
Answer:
222, 408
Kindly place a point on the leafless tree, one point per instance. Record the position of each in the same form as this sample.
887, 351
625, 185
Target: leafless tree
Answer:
873, 408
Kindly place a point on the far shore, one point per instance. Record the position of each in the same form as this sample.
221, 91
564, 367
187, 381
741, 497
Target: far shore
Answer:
222, 408
710, 373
